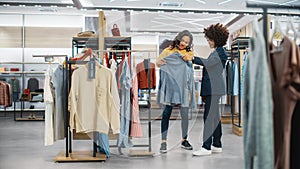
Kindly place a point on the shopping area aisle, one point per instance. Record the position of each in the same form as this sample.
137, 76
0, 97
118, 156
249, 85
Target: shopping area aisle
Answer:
22, 147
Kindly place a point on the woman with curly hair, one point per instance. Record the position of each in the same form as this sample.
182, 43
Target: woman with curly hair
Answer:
212, 87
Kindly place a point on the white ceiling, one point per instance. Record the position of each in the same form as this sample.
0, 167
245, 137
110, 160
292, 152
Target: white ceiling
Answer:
149, 16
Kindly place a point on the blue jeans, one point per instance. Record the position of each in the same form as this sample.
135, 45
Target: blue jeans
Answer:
166, 118
212, 132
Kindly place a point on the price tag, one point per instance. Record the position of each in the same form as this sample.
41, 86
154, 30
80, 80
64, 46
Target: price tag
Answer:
92, 68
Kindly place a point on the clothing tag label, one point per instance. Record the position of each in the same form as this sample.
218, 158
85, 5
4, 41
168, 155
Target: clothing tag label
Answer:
92, 68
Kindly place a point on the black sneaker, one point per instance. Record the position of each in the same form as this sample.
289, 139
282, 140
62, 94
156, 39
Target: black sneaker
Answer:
163, 147
186, 145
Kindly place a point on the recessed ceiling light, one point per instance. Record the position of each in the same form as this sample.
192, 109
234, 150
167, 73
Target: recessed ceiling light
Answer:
171, 4
224, 2
264, 2
288, 2
200, 1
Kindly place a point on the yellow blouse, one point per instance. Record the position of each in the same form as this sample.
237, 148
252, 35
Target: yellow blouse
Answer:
168, 51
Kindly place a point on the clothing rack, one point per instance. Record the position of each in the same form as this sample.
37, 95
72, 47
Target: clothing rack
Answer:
265, 8
239, 44
76, 156
136, 152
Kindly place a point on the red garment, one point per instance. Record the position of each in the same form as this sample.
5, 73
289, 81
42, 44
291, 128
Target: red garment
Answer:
143, 76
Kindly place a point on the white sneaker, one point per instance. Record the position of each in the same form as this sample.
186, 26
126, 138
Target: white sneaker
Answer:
216, 149
202, 152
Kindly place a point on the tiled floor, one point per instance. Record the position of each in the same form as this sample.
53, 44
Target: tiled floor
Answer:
21, 147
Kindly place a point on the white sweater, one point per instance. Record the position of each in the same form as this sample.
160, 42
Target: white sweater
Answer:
94, 104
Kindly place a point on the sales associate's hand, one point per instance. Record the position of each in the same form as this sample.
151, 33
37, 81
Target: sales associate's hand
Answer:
161, 62
187, 57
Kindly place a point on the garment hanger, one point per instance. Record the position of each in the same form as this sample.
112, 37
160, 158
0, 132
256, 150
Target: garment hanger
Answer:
277, 36
291, 31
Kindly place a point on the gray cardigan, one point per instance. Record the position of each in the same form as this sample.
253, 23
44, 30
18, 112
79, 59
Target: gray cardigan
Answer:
213, 82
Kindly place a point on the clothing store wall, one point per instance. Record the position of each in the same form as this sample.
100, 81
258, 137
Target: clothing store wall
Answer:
44, 33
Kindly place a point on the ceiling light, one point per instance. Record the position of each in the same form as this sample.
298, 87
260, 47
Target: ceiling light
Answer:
86, 3
171, 4
69, 6
99, 9
53, 6
219, 13
288, 2
224, 2
22, 5
145, 10
175, 11
200, 1
204, 12
264, 2
160, 11
37, 6
191, 12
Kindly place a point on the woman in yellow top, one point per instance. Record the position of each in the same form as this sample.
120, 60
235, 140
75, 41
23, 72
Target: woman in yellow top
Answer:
183, 45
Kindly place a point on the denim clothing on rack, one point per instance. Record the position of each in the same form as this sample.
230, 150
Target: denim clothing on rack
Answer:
235, 89
126, 84
103, 144
176, 82
166, 118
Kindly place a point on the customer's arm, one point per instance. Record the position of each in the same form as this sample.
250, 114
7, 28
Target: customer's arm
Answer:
213, 59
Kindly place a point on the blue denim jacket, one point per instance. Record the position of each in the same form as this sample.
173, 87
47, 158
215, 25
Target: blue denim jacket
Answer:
176, 82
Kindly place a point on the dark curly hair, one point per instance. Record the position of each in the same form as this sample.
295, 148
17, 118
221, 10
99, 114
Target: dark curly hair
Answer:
178, 38
218, 33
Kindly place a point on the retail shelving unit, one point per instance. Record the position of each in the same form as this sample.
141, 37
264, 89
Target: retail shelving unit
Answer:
21, 75
238, 47
78, 43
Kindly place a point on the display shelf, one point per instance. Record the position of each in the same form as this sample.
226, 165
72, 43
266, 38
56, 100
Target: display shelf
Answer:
29, 119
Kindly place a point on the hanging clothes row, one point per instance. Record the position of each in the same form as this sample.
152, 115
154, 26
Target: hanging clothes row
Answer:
271, 92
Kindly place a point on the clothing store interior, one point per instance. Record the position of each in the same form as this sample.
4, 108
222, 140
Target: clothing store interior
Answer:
132, 84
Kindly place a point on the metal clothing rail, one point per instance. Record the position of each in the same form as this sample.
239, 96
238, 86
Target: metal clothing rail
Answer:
265, 8
68, 133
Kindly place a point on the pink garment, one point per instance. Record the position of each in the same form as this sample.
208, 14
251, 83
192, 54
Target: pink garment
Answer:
136, 128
